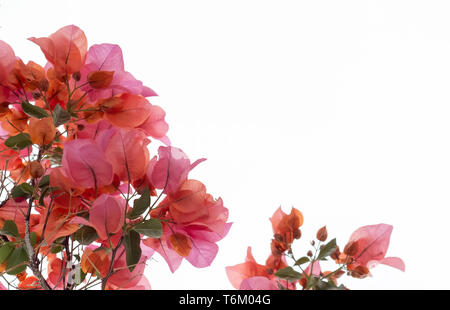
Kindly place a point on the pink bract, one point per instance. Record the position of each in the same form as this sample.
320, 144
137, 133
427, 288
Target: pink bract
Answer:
373, 243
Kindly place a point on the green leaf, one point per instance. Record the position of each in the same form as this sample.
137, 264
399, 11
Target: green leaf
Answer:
60, 116
150, 228
325, 285
85, 235
33, 111
5, 250
19, 142
289, 274
302, 260
45, 181
312, 282
328, 249
33, 238
45, 192
18, 257
57, 248
140, 204
22, 190
132, 242
10, 229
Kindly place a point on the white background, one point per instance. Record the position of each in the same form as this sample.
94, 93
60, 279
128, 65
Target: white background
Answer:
339, 108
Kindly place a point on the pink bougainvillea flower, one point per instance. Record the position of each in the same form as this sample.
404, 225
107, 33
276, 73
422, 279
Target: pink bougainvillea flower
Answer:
128, 154
55, 271
259, 283
276, 262
109, 58
7, 155
79, 128
286, 225
14, 211
123, 278
373, 243
204, 247
29, 76
163, 248
316, 270
106, 215
84, 163
198, 246
7, 60
188, 203
171, 169
101, 132
15, 121
143, 284
65, 49
57, 224
250, 268
29, 283
126, 110
155, 125
64, 190
198, 221
96, 260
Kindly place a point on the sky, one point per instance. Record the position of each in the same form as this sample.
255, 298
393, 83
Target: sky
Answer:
337, 108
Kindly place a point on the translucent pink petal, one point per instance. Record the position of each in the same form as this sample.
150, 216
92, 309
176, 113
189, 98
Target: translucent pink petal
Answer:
7, 60
169, 255
172, 167
165, 140
85, 164
206, 234
80, 220
250, 257
373, 242
105, 57
123, 278
148, 92
276, 218
216, 219
66, 48
394, 262
155, 125
127, 152
238, 273
109, 57
142, 285
197, 162
15, 211
101, 132
316, 270
202, 253
106, 215
258, 283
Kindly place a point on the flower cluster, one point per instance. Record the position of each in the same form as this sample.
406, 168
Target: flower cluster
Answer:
84, 204
365, 249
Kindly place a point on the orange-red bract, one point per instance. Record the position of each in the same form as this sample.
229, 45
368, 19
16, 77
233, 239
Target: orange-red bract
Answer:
65, 49
126, 110
42, 131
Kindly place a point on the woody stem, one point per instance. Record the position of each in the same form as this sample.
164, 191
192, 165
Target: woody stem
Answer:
34, 265
32, 256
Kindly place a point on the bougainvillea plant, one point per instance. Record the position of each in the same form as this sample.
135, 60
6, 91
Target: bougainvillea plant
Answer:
83, 204
283, 270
